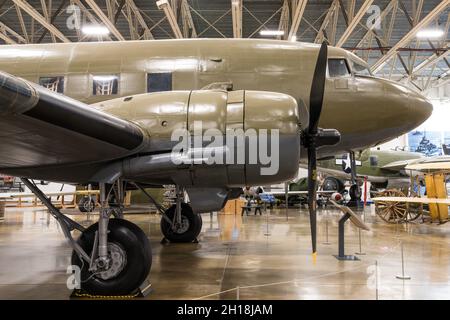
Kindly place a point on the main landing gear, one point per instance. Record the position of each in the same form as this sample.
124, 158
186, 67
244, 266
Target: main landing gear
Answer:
113, 256
179, 224
355, 190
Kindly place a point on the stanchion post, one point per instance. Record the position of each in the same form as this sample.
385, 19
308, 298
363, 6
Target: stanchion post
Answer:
267, 234
403, 276
360, 253
376, 279
326, 233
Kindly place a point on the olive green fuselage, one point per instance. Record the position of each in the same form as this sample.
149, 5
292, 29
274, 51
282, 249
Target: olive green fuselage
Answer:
366, 110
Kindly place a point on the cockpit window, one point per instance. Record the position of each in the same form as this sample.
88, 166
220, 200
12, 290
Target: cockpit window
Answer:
361, 70
338, 68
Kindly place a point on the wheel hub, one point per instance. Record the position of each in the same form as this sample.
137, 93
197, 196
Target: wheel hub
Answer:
182, 227
117, 261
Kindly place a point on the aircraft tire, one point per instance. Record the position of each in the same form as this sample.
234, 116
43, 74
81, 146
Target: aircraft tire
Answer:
188, 231
86, 204
333, 184
125, 275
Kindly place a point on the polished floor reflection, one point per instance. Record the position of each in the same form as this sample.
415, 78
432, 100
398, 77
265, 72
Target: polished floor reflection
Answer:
254, 257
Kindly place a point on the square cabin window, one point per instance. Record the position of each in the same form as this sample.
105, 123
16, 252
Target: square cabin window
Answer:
157, 82
55, 84
105, 85
373, 161
338, 68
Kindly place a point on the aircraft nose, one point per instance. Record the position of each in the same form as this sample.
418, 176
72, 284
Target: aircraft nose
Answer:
411, 108
420, 107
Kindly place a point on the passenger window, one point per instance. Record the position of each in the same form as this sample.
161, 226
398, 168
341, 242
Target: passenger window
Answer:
55, 84
373, 161
338, 68
157, 82
105, 85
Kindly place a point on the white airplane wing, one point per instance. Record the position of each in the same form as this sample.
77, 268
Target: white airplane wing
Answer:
413, 200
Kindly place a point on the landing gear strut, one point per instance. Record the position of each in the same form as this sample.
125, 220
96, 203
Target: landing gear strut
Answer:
113, 255
355, 190
179, 223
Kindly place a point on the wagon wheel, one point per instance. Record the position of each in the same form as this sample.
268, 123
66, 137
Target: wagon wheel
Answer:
392, 212
415, 210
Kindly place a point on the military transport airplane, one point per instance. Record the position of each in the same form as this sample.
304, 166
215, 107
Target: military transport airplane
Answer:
126, 136
383, 168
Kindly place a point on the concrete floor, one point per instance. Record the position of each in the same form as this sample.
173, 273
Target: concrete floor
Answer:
245, 258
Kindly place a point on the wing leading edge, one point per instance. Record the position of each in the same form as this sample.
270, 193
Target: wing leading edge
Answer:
41, 128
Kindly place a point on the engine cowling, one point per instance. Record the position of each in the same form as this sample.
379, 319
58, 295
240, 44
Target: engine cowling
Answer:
266, 147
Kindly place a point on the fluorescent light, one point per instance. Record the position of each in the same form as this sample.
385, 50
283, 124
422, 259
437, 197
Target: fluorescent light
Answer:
271, 32
104, 78
95, 30
430, 34
294, 38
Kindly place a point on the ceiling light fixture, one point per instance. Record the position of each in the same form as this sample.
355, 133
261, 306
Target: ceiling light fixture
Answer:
430, 34
95, 30
271, 33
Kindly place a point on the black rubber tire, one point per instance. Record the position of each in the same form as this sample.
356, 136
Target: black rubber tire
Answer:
86, 204
333, 184
139, 259
355, 192
195, 225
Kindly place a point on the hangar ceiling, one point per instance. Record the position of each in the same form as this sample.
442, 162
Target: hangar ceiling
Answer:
391, 47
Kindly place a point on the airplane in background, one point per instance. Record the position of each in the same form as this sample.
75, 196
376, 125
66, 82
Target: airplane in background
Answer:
446, 150
383, 168
104, 124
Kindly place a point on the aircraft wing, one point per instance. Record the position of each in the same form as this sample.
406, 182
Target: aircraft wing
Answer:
397, 165
43, 128
282, 193
412, 200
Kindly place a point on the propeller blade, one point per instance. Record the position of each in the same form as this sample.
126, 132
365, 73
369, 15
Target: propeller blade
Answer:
312, 192
318, 89
315, 109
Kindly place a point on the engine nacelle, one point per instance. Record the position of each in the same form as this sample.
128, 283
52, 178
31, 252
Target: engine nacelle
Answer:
191, 134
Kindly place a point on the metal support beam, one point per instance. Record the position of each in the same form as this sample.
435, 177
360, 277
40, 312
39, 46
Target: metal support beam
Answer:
22, 23
47, 14
332, 37
410, 35
5, 38
284, 20
111, 27
435, 58
351, 10
38, 17
164, 5
52, 18
297, 18
8, 32
88, 15
189, 29
321, 34
262, 24
140, 19
355, 21
211, 25
236, 13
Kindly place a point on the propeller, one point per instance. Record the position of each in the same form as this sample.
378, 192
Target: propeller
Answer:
314, 137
